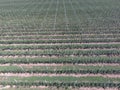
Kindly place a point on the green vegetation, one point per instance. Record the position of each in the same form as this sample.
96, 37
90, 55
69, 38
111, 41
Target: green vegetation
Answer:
69, 69
63, 81
65, 60
58, 47
69, 33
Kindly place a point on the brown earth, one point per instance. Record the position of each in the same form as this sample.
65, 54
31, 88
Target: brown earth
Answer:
50, 75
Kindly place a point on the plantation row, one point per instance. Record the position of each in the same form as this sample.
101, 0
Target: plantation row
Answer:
59, 32
80, 38
72, 28
62, 84
62, 36
57, 47
59, 41
61, 70
62, 81
65, 60
60, 52
32, 39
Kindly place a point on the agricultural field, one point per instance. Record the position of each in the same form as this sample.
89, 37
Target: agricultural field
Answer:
60, 44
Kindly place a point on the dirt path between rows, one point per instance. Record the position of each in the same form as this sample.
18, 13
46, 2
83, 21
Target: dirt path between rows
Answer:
61, 43
5, 87
94, 88
54, 88
54, 56
53, 64
51, 75
81, 49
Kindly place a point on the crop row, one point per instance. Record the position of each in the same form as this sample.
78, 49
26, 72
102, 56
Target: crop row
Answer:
72, 60
60, 52
57, 47
62, 36
62, 69
72, 28
61, 33
62, 81
62, 84
58, 41
67, 38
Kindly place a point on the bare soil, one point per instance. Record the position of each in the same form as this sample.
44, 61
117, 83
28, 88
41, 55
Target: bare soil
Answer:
54, 88
63, 43
53, 64
50, 75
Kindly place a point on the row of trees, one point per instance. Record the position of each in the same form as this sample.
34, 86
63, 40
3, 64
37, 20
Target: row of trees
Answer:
70, 71
72, 60
60, 52
80, 40
57, 47
62, 84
